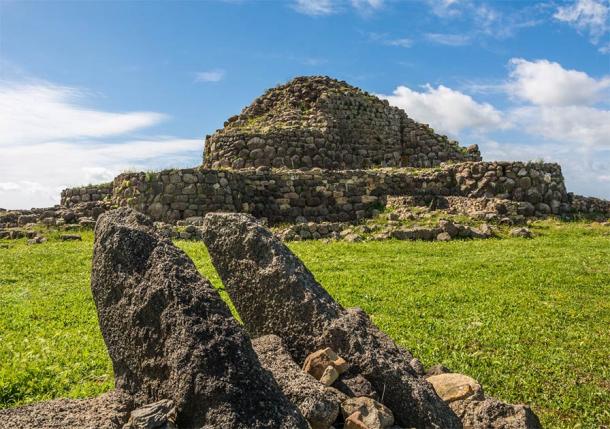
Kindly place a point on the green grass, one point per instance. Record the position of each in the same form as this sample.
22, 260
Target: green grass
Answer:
529, 319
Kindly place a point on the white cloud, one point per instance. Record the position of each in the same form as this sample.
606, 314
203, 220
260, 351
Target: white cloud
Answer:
210, 76
34, 175
547, 83
577, 125
38, 112
403, 43
315, 7
481, 20
590, 16
329, 7
448, 39
446, 8
445, 109
367, 6
49, 140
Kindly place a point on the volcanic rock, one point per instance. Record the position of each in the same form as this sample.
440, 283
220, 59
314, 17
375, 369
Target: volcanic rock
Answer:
319, 404
275, 293
370, 412
170, 335
108, 411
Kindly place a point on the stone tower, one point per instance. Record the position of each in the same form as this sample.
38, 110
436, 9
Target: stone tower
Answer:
322, 122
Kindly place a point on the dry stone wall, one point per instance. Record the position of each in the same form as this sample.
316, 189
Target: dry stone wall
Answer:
278, 195
84, 194
333, 195
539, 186
589, 205
325, 123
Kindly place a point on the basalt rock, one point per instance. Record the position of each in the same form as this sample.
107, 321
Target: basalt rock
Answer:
275, 293
319, 404
108, 411
466, 398
170, 336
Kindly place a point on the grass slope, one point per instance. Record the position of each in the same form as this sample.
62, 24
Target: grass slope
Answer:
528, 318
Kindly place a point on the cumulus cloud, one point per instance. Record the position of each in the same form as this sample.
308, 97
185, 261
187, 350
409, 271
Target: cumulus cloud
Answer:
446, 109
547, 83
589, 16
578, 125
210, 76
38, 112
561, 116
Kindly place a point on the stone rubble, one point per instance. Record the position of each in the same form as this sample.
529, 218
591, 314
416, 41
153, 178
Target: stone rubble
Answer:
275, 294
319, 404
367, 412
466, 398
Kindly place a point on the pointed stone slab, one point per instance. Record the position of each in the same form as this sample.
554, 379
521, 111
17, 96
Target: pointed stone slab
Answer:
170, 336
275, 293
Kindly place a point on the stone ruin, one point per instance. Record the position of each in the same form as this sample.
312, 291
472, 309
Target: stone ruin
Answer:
300, 360
320, 154
325, 123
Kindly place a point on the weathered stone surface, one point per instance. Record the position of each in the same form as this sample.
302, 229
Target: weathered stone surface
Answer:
170, 336
158, 415
317, 121
466, 398
522, 232
490, 413
356, 385
453, 386
317, 363
274, 293
320, 405
436, 370
370, 412
272, 290
108, 411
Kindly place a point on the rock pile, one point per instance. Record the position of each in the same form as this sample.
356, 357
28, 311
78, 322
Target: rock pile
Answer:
275, 294
16, 224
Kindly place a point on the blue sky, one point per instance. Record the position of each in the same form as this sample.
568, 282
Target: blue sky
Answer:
90, 89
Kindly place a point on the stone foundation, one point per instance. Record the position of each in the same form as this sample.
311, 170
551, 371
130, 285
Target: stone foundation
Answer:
334, 196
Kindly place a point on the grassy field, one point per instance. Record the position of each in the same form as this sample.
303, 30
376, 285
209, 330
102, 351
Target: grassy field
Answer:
530, 319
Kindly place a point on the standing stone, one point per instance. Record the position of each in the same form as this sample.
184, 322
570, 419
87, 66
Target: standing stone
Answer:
170, 336
275, 293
